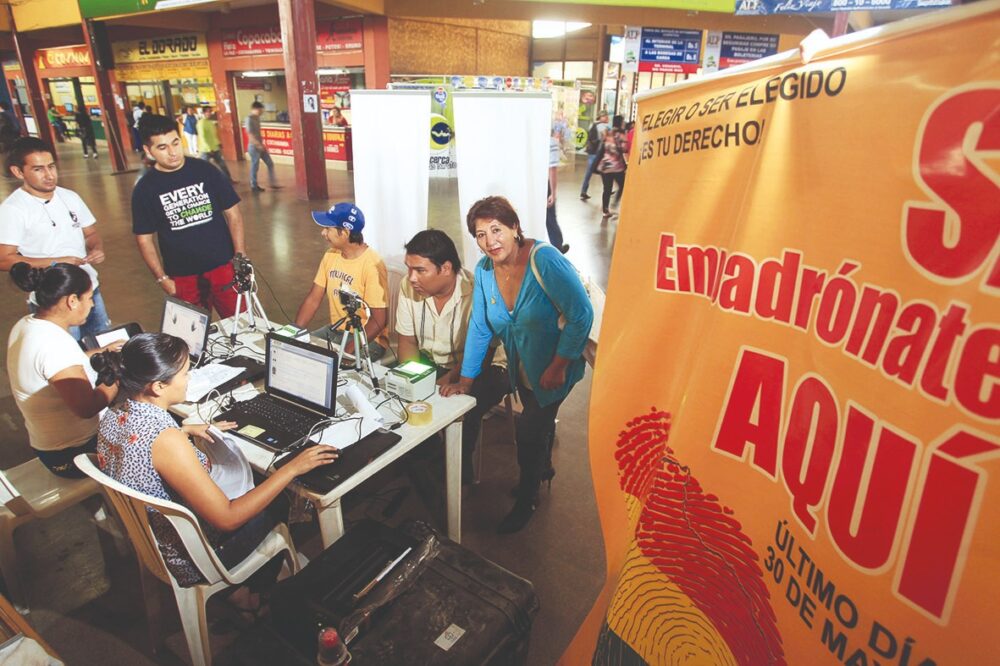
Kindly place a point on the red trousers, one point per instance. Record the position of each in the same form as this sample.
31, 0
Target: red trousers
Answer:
208, 290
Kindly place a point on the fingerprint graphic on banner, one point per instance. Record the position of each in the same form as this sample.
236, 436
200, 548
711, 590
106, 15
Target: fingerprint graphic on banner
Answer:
690, 588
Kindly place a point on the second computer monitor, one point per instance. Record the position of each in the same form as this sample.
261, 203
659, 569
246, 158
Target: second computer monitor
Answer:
187, 322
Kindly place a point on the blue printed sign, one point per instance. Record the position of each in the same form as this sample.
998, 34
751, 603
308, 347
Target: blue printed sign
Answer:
763, 7
669, 50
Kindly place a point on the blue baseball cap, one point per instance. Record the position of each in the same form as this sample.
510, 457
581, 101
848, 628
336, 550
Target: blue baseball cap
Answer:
343, 215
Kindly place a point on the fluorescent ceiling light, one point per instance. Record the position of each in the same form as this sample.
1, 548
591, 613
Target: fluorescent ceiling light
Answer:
547, 29
174, 4
335, 70
257, 75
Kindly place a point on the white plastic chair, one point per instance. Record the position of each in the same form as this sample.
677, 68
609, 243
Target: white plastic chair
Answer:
131, 507
31, 491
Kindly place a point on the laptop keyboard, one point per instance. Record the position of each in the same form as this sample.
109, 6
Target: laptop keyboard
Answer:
274, 412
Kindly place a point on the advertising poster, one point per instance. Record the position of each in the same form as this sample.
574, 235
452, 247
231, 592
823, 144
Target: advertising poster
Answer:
441, 132
805, 294
726, 49
763, 7
669, 50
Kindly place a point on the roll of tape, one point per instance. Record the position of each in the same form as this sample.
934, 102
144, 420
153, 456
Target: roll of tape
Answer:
419, 413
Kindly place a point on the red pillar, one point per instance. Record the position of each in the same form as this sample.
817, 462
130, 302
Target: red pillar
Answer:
25, 55
375, 42
110, 113
298, 32
225, 99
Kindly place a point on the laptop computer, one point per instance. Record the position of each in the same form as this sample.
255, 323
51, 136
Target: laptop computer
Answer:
191, 323
300, 390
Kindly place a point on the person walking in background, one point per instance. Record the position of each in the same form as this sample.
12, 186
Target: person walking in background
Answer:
257, 149
208, 140
551, 223
10, 129
86, 129
595, 135
191, 131
58, 126
611, 166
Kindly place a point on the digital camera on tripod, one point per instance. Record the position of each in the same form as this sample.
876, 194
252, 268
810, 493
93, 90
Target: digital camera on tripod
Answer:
245, 285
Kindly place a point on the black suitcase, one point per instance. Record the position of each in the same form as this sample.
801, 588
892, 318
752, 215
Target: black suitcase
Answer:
460, 609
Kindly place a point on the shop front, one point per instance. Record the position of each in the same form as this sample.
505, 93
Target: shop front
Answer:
66, 79
18, 91
254, 65
167, 73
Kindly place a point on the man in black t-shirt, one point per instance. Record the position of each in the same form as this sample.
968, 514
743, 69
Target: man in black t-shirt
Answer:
194, 212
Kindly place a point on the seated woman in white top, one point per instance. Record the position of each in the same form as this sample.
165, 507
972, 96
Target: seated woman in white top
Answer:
50, 375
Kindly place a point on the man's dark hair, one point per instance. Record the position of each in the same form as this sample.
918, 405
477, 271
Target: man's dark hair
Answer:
435, 246
257, 105
151, 125
494, 208
617, 122
24, 146
356, 237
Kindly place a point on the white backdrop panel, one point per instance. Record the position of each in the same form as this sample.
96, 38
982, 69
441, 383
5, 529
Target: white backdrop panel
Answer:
391, 163
502, 148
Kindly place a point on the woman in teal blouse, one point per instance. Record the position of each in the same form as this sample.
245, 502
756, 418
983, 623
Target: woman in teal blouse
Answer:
544, 360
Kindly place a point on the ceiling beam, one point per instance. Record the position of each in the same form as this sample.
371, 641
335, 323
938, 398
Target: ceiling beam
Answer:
360, 6
607, 15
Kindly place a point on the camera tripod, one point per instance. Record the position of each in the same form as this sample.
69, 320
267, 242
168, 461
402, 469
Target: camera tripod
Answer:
354, 330
245, 285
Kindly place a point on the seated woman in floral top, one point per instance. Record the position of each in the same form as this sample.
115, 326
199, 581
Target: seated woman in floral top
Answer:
141, 446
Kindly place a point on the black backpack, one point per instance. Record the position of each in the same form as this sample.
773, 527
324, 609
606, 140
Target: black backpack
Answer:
593, 140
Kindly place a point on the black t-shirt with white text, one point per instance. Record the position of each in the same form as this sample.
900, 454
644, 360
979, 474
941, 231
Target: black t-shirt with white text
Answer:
184, 208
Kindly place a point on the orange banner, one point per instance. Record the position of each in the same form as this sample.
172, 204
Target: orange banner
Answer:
805, 294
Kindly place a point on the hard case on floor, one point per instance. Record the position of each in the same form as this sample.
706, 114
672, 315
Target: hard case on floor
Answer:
461, 609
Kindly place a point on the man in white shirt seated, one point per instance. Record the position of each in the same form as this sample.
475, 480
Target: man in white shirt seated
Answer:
432, 318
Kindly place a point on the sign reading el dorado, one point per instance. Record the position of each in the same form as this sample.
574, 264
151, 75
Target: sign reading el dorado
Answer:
182, 56
811, 471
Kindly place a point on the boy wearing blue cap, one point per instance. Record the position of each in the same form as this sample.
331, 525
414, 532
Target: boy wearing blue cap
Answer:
349, 264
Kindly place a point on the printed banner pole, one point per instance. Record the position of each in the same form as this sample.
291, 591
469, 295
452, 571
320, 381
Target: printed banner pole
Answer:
391, 158
502, 148
812, 472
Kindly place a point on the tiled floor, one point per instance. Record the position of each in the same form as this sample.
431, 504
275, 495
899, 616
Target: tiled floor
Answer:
84, 595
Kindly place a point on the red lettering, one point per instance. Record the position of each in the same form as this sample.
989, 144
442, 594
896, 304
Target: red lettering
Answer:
752, 413
953, 236
665, 264
864, 525
814, 419
977, 380
944, 522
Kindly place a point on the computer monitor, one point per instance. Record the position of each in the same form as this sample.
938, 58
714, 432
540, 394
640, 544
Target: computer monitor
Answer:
187, 322
302, 373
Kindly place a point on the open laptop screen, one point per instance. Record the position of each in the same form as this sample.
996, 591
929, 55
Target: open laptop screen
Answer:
303, 373
187, 322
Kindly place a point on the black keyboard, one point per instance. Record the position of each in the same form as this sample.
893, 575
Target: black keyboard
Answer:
266, 409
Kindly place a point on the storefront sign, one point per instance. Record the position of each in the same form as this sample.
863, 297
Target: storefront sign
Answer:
341, 35
725, 6
162, 71
333, 91
762, 7
811, 474
189, 46
69, 56
669, 50
278, 140
726, 49
631, 44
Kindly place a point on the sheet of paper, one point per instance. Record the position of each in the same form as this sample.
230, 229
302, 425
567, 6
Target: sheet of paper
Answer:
348, 432
207, 377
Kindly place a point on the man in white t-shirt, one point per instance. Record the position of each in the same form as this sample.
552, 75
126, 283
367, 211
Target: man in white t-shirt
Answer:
432, 319
43, 224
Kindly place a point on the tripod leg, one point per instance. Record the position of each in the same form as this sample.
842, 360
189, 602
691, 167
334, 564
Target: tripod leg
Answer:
236, 319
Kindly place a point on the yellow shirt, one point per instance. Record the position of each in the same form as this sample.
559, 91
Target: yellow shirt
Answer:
365, 275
